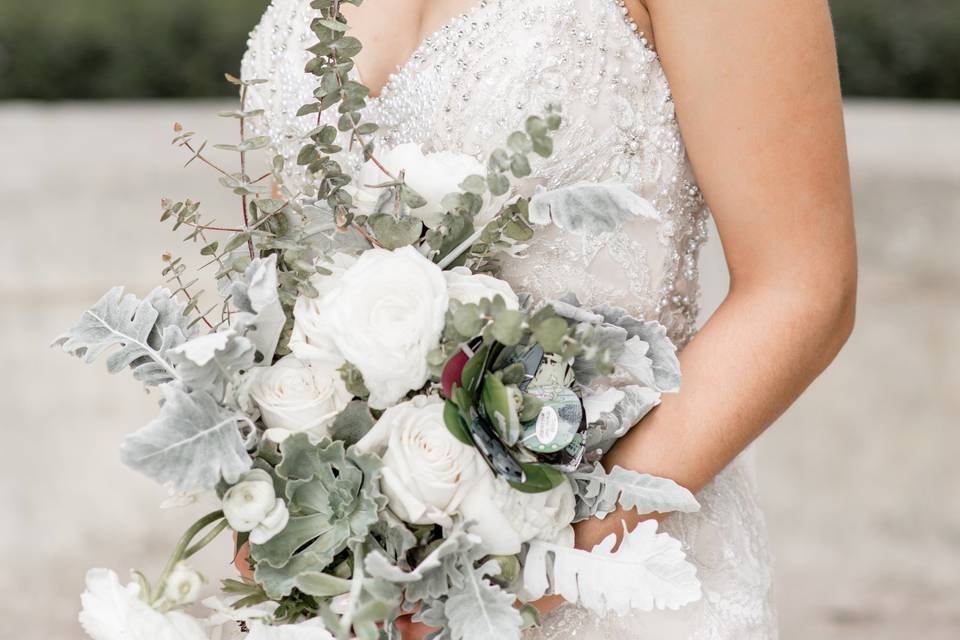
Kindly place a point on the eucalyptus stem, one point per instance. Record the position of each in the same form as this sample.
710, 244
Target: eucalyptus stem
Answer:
181, 549
243, 169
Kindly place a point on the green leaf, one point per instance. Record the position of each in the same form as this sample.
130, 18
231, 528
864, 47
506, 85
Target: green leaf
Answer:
498, 183
514, 373
474, 184
333, 25
536, 127
473, 371
539, 478
321, 585
236, 241
394, 233
520, 166
550, 334
507, 327
455, 423
467, 320
519, 142
501, 412
346, 47
543, 147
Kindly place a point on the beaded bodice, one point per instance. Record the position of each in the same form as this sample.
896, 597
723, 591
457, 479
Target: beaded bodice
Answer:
472, 82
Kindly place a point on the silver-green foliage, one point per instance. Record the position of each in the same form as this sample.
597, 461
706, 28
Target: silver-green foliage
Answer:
649, 570
435, 575
599, 493
480, 609
588, 208
258, 311
212, 362
142, 332
602, 434
192, 443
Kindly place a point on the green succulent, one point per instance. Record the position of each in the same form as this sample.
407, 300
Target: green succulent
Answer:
333, 495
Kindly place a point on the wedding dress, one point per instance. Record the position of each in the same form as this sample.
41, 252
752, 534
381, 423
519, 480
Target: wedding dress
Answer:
465, 89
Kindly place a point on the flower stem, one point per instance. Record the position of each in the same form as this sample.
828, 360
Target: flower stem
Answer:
207, 539
182, 547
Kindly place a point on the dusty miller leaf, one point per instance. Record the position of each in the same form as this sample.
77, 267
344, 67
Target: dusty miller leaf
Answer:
191, 444
479, 609
212, 362
457, 542
599, 493
633, 406
589, 208
648, 571
259, 314
143, 331
661, 350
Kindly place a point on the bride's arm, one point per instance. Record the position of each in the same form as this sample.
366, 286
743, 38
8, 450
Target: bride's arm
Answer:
758, 99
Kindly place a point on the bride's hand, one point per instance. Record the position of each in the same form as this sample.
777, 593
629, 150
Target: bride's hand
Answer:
242, 563
410, 630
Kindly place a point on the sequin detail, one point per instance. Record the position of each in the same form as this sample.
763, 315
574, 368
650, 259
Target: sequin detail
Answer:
465, 88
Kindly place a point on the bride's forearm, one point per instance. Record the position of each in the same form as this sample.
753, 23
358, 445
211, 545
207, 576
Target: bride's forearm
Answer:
753, 358
750, 361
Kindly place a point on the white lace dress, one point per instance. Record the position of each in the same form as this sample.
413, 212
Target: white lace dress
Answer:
465, 89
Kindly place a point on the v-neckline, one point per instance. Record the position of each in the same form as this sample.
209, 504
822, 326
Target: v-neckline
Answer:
424, 44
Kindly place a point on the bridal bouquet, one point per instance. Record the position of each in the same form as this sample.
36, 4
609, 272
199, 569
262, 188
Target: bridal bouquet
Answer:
387, 425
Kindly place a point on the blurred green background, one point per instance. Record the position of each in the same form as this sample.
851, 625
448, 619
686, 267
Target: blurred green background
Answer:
57, 49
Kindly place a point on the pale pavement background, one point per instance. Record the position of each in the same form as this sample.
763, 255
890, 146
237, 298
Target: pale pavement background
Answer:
860, 479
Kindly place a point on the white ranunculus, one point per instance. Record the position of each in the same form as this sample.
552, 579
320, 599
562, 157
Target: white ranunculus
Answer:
112, 611
471, 288
432, 175
295, 396
183, 585
427, 473
252, 505
383, 314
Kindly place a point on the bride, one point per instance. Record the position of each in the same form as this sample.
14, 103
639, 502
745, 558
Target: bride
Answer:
752, 88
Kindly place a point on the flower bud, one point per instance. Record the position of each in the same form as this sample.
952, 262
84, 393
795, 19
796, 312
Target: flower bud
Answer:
183, 585
252, 506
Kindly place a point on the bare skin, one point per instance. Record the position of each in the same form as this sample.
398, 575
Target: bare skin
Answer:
757, 93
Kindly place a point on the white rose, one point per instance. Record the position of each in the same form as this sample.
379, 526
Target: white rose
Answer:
252, 505
432, 175
295, 396
427, 473
112, 611
183, 585
471, 288
429, 476
383, 314
310, 340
